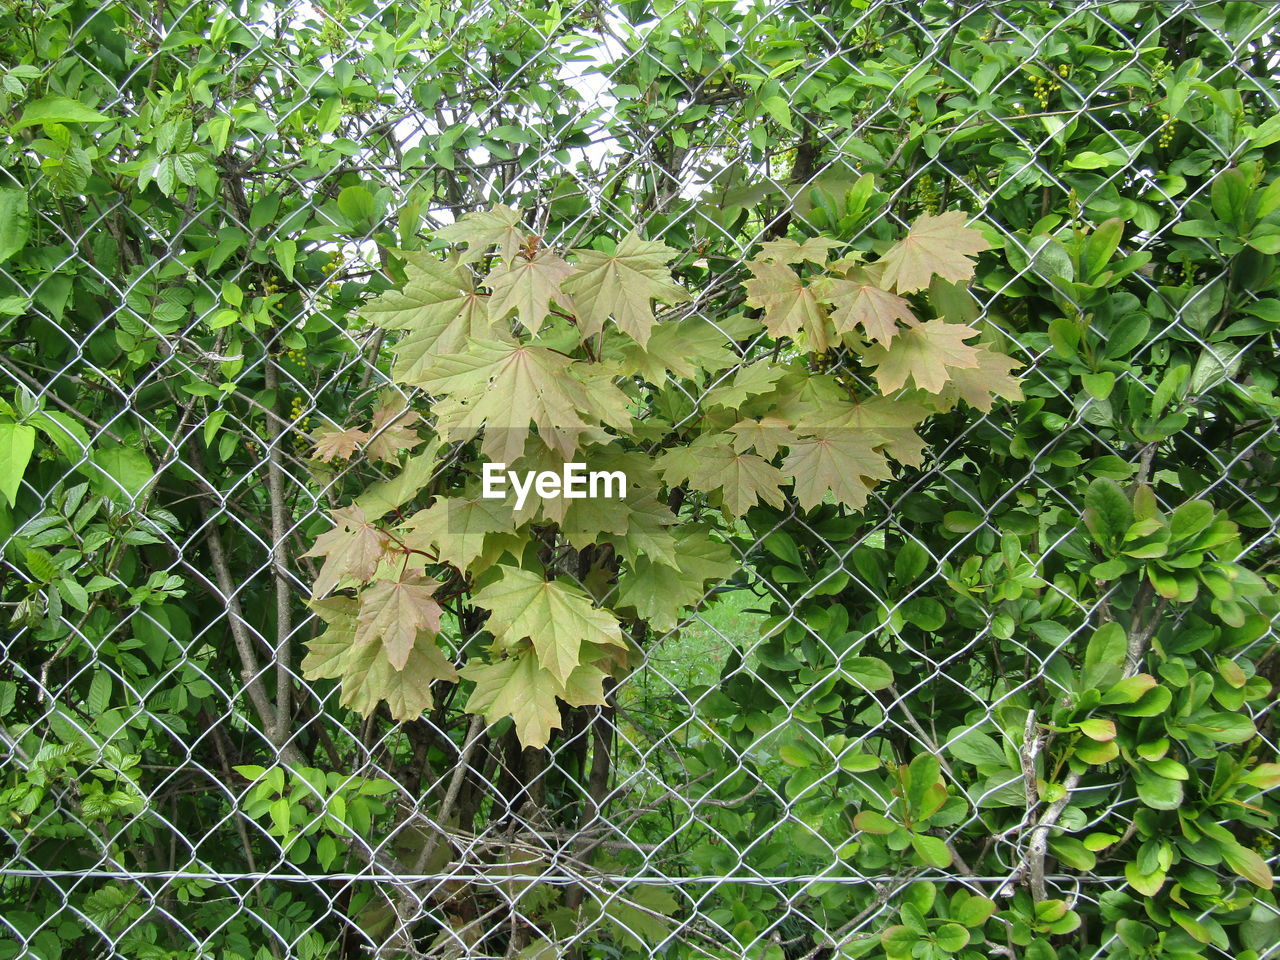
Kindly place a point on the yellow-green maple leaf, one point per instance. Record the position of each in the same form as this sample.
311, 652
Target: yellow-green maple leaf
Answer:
710, 463
979, 386
438, 307
351, 549
528, 287
935, 246
365, 673
481, 229
923, 354
556, 617
812, 249
504, 387
455, 528
395, 612
521, 688
623, 285
789, 304
837, 461
658, 590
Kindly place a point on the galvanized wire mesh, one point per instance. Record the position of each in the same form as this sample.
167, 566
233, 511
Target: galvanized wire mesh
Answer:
479, 886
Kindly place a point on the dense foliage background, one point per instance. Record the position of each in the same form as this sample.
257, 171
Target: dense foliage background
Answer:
1019, 703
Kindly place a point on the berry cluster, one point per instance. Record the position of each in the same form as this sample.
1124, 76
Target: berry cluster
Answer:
297, 356
333, 267
301, 423
927, 194
1042, 88
1167, 131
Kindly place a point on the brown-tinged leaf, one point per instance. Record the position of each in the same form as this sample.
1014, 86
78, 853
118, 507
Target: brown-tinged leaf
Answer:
859, 302
841, 462
623, 285
528, 287
923, 354
936, 245
351, 549
335, 443
394, 611
789, 304
979, 386
390, 432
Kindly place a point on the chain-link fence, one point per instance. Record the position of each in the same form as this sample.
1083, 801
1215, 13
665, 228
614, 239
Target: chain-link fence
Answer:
198, 198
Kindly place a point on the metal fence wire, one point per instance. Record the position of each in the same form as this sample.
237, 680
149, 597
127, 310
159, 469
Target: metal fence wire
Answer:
200, 232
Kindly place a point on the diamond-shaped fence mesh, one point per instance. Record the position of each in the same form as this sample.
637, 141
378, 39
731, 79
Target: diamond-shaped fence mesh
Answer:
196, 199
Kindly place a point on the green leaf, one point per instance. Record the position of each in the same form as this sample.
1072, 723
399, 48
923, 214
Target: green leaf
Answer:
1247, 864
15, 221
17, 440
869, 673
58, 110
520, 688
1105, 655
932, 850
869, 821
951, 937
1108, 513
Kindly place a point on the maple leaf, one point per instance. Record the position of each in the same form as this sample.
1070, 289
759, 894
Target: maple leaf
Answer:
979, 387
557, 617
519, 687
935, 246
710, 463
394, 611
364, 672
647, 533
456, 528
680, 350
839, 461
859, 302
753, 380
351, 549
504, 387
383, 496
890, 425
438, 306
335, 443
481, 229
789, 304
786, 250
390, 431
622, 285
923, 354
658, 591
528, 287
766, 434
